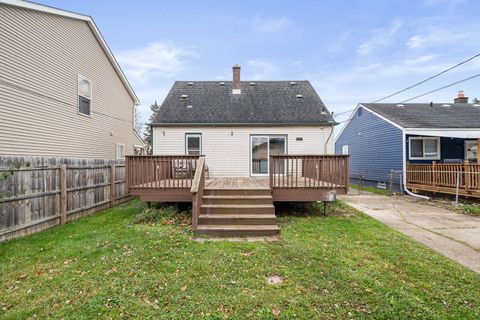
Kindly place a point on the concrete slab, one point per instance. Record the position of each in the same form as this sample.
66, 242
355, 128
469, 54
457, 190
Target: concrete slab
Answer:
455, 235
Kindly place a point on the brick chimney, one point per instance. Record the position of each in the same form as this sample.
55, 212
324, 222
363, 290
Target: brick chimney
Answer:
460, 98
236, 80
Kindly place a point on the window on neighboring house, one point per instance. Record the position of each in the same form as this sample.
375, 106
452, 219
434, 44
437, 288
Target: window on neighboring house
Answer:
345, 149
120, 151
193, 144
84, 96
424, 148
471, 150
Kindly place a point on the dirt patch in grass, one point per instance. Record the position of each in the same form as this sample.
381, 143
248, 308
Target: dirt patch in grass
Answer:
336, 208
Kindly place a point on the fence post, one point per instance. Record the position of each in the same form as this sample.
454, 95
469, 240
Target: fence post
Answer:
467, 175
63, 194
112, 185
390, 183
434, 178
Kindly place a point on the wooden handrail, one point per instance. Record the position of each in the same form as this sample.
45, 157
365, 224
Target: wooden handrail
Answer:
198, 184
198, 175
444, 175
309, 171
161, 171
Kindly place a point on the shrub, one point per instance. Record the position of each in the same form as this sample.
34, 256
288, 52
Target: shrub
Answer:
166, 214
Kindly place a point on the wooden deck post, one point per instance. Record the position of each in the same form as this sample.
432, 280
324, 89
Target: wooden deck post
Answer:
63, 194
434, 178
112, 185
467, 175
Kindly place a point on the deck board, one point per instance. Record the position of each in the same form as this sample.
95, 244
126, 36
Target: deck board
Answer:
246, 183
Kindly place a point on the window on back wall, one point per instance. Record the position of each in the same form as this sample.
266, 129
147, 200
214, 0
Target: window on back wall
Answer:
120, 151
84, 96
424, 148
193, 144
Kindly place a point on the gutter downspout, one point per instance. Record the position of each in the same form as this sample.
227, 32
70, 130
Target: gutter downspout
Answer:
404, 172
329, 137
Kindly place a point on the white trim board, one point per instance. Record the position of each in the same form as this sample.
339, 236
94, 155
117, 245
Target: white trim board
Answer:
448, 133
91, 24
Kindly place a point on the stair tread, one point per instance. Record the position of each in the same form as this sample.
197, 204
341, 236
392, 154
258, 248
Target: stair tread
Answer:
236, 216
238, 206
238, 227
236, 197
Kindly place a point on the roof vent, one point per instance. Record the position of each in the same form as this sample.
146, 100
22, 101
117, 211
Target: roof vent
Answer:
190, 84
189, 106
293, 83
476, 105
184, 97
400, 105
221, 83
299, 96
323, 111
252, 84
446, 105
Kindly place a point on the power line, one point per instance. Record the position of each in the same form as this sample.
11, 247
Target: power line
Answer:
428, 79
441, 88
343, 112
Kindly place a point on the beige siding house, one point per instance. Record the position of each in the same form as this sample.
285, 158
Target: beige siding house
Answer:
238, 125
61, 91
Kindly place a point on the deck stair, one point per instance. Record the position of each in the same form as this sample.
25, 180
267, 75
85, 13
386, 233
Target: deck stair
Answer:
237, 213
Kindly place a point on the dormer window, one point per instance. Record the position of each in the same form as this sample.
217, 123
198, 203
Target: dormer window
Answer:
84, 96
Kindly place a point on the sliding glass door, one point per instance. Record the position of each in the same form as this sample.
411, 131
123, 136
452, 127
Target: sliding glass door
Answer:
262, 147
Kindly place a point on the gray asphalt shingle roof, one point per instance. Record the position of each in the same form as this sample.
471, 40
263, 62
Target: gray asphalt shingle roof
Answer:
424, 115
267, 102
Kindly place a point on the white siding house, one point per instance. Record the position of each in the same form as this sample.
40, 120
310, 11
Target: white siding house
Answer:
237, 125
227, 149
61, 91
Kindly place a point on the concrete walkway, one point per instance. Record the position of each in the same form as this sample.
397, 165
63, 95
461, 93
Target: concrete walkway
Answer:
456, 236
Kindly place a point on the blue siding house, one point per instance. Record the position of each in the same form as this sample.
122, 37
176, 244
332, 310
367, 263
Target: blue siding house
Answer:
384, 138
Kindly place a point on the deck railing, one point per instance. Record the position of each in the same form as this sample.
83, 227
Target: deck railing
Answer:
161, 172
198, 185
444, 176
309, 171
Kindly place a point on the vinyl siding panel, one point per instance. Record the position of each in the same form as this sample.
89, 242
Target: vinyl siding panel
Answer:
375, 146
228, 155
41, 57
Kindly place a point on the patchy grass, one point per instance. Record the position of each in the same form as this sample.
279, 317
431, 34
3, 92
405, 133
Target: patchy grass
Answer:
370, 189
340, 266
474, 210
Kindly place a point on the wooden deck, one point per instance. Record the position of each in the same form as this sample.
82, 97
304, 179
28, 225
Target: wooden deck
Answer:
228, 206
445, 178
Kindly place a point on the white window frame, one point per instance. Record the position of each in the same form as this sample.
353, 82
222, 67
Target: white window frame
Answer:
345, 149
475, 142
436, 139
187, 135
80, 77
116, 151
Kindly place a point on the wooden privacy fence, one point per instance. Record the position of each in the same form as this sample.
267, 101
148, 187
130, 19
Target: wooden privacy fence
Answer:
444, 177
37, 193
309, 171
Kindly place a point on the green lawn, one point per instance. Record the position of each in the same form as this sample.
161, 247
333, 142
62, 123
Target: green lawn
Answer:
106, 266
384, 192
